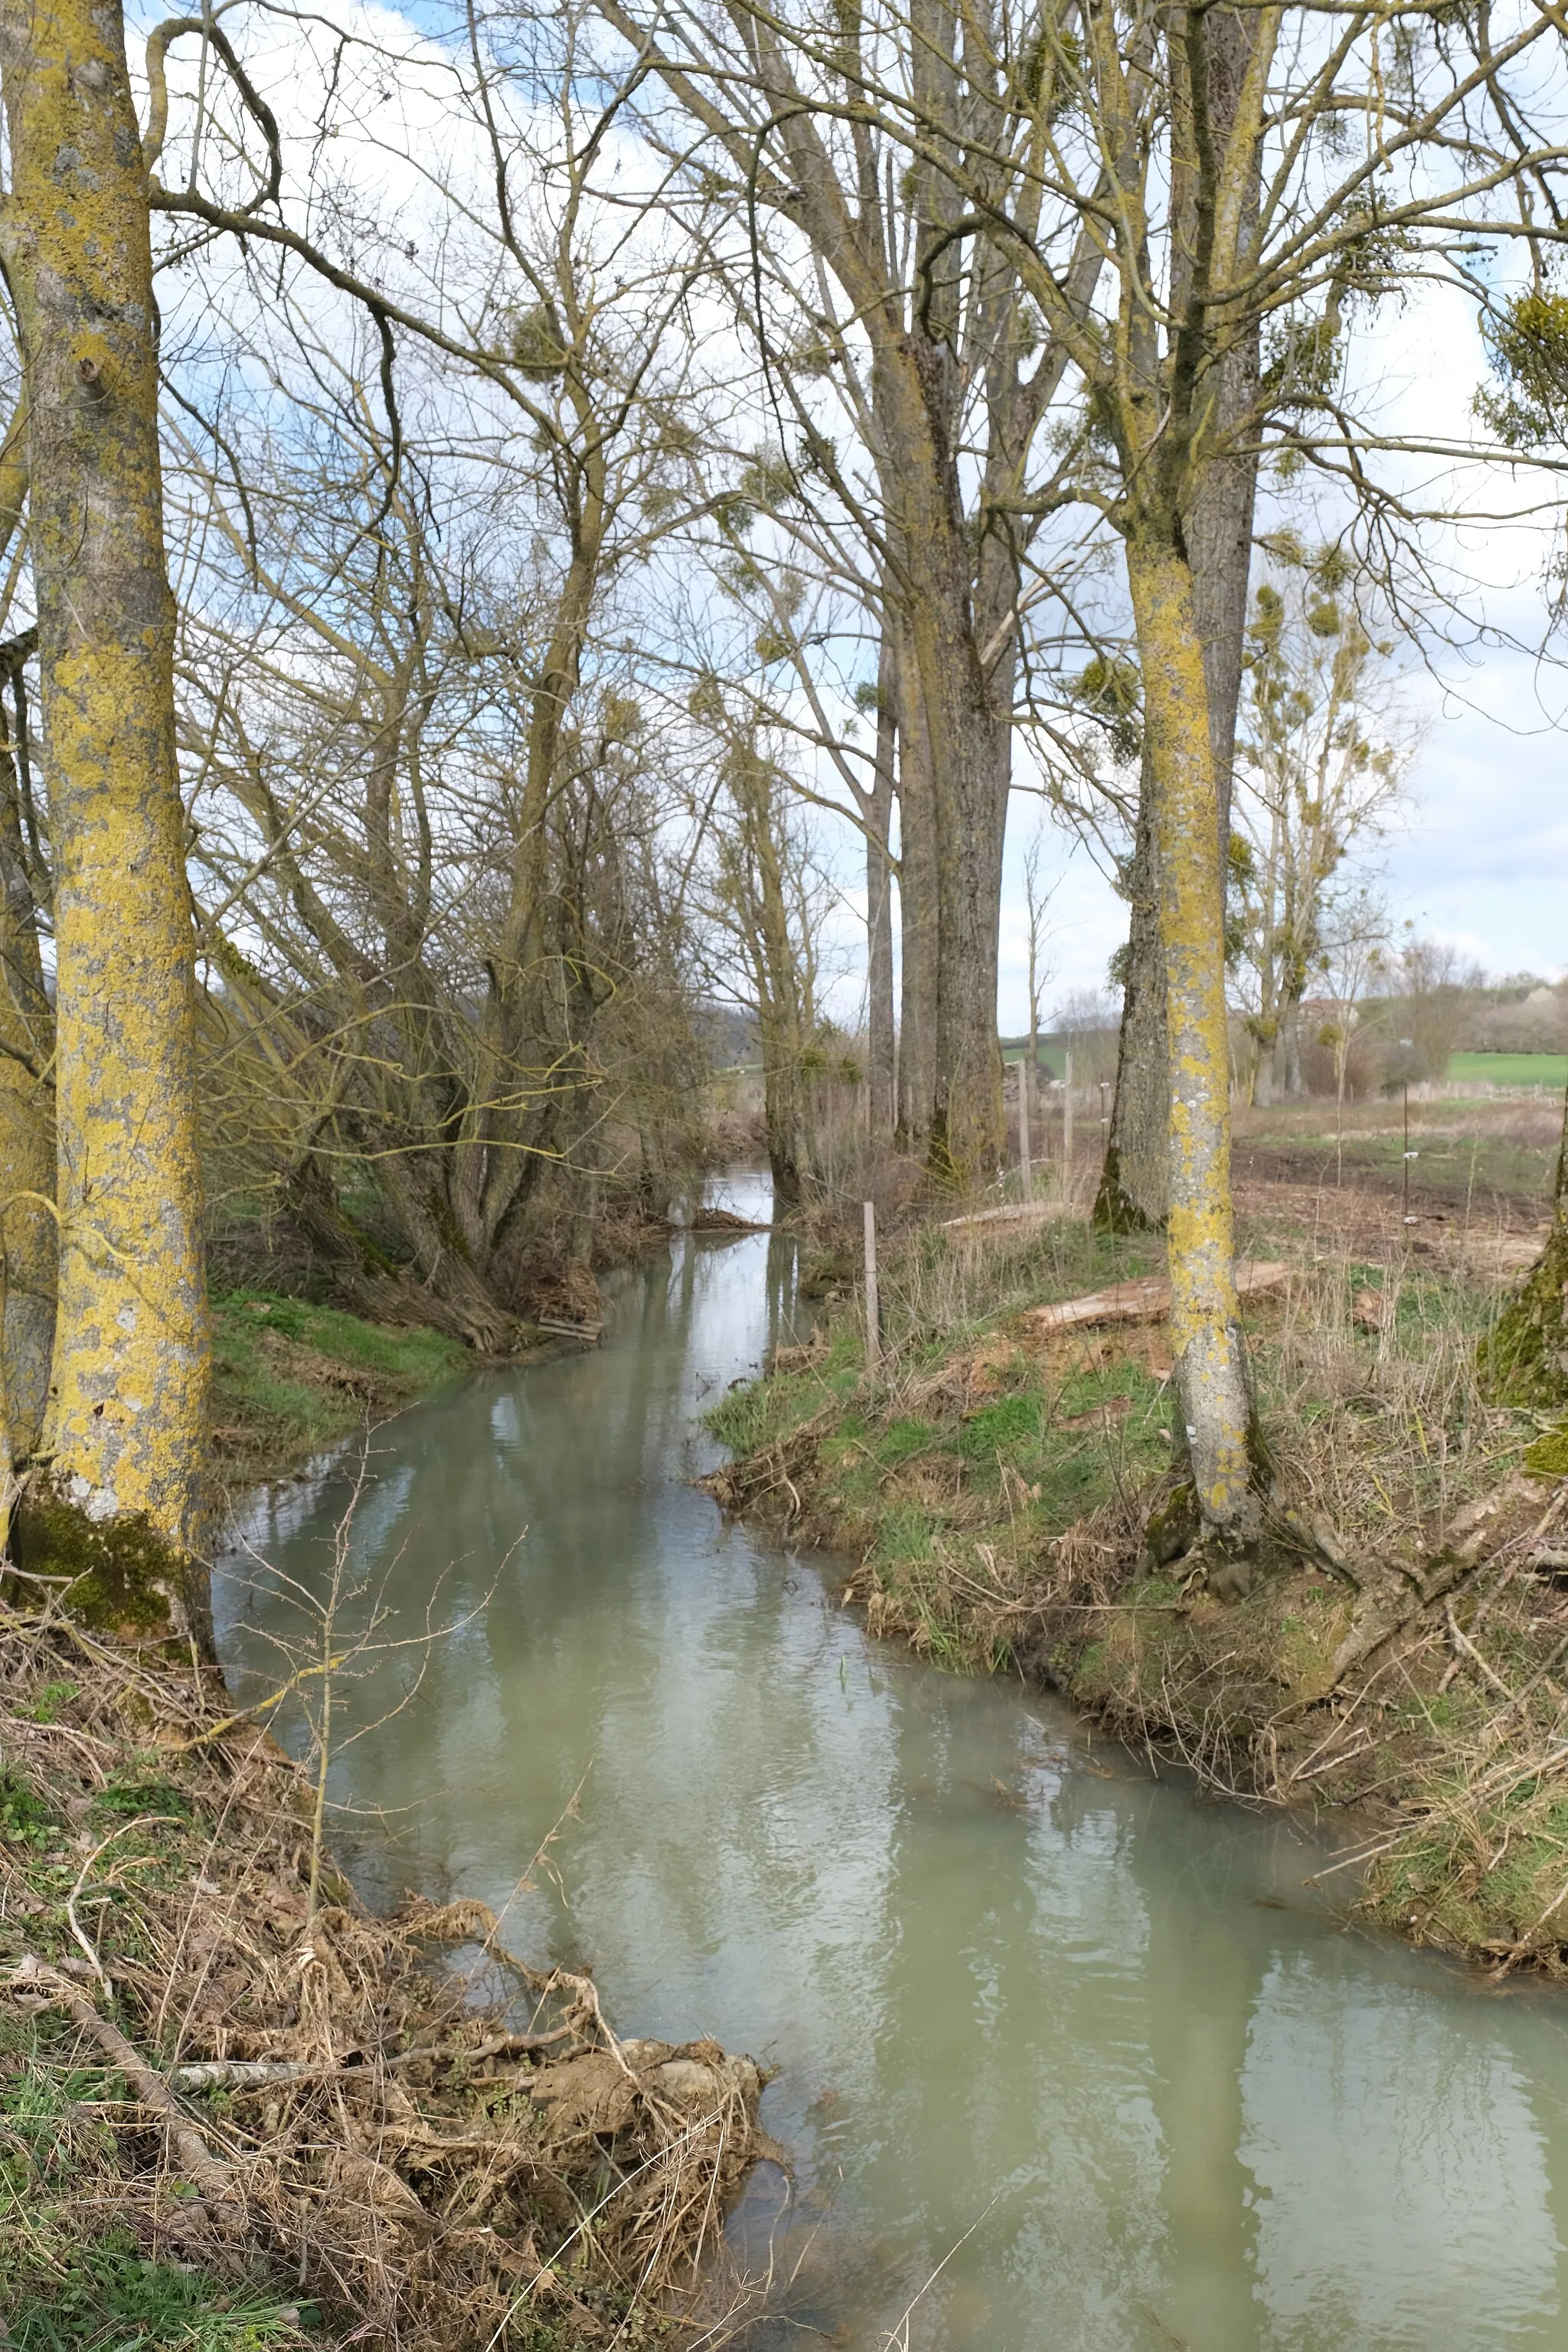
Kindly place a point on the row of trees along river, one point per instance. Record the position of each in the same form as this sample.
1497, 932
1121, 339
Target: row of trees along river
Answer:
475, 486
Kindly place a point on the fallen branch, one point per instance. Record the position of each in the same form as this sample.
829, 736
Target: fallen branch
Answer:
1144, 1301
215, 2181
495, 2046
1466, 1649
1012, 1212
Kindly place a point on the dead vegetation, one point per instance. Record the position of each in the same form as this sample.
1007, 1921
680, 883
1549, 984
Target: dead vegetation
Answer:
1009, 1494
212, 2056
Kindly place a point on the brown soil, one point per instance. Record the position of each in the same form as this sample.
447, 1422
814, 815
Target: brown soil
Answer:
1367, 1219
1311, 1169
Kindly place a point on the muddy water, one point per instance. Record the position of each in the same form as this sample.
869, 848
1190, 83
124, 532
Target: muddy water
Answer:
1089, 2045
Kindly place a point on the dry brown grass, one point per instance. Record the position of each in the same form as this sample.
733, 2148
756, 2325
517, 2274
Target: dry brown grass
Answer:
433, 2141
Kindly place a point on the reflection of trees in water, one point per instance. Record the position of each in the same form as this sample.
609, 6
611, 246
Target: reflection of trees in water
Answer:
782, 1269
1201, 1973
1197, 2123
1408, 2145
1006, 2081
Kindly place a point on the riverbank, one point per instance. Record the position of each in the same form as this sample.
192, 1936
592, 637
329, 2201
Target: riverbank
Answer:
1004, 1486
290, 1378
294, 1373
237, 2109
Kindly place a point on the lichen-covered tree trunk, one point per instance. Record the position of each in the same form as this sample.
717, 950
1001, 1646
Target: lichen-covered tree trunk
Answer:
1132, 1194
1217, 533
28, 1255
26, 1136
126, 1425
1210, 1371
1134, 1180
1524, 1360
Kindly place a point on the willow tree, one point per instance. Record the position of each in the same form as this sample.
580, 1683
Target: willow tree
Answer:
557, 322
117, 1494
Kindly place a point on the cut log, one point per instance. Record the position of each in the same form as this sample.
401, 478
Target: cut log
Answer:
1145, 1301
1015, 1212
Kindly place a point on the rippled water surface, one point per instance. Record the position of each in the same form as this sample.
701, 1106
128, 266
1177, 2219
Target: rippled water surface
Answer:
1090, 2045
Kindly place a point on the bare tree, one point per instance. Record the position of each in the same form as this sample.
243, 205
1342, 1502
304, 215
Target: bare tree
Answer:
1321, 773
936, 353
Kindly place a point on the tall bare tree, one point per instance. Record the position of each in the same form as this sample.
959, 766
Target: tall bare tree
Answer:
125, 1429
1317, 776
944, 375
1223, 207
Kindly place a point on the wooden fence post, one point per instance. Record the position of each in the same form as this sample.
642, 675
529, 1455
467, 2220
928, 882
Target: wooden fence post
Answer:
873, 1311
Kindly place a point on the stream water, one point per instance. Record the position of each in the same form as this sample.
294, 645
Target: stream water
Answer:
1091, 2045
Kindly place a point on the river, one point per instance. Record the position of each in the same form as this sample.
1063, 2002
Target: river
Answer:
1089, 2044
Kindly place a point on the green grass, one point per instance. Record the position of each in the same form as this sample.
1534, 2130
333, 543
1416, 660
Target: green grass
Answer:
111, 2298
1548, 1071
290, 1377
938, 1489
58, 2294
1051, 1056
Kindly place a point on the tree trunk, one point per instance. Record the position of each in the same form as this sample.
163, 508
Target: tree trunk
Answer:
881, 1071
127, 1421
1134, 1182
966, 737
27, 1137
1210, 1368
918, 921
1294, 1084
1524, 1360
1132, 1195
1217, 531
445, 1291
28, 1257
968, 1135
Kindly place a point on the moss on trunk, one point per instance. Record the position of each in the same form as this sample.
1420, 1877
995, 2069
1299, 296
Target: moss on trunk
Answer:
124, 1577
1524, 1360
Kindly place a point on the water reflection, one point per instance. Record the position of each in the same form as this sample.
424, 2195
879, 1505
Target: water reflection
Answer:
1015, 1988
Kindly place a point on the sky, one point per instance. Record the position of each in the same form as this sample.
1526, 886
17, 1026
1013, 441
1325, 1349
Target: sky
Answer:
1479, 856
1480, 859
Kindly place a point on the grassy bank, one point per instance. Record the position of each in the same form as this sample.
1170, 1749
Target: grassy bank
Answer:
290, 1378
238, 2110
1009, 1497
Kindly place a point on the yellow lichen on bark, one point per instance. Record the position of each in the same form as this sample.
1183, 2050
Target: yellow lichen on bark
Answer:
126, 1421
26, 1064
1211, 1370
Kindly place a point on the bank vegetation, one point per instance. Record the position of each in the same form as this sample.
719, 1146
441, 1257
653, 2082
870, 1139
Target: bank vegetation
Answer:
1009, 1489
